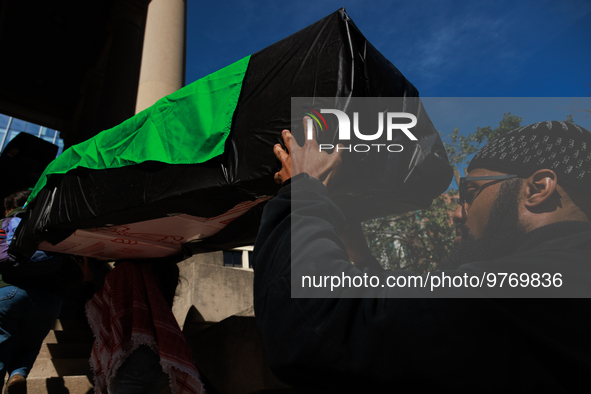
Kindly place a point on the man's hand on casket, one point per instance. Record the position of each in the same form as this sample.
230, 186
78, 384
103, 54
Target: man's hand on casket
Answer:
308, 158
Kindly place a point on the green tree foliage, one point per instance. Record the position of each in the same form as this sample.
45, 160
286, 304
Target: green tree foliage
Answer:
580, 108
418, 240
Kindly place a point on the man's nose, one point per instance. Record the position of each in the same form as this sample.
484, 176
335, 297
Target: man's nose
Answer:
459, 215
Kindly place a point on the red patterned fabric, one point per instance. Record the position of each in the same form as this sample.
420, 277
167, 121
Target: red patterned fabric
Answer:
125, 314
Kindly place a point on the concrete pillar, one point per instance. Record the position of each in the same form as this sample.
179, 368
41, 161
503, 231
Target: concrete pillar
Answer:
163, 59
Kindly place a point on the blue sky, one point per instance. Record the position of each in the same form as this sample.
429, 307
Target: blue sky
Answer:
473, 48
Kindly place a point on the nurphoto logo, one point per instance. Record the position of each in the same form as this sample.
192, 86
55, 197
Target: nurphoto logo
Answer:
391, 119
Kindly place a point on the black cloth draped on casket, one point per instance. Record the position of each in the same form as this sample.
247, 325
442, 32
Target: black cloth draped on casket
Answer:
106, 200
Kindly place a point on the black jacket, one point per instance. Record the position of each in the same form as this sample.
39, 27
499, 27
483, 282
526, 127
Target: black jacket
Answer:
409, 345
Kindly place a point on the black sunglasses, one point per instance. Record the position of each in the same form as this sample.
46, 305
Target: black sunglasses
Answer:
466, 197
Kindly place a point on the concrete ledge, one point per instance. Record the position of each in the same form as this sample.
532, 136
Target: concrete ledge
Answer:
215, 291
65, 350
69, 337
60, 385
45, 368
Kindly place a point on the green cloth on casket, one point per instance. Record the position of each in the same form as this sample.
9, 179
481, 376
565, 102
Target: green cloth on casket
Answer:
189, 126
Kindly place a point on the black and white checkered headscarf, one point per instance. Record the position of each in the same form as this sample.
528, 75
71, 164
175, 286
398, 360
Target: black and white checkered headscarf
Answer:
562, 147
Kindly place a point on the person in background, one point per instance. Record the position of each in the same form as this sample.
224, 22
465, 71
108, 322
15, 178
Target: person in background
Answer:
139, 347
30, 300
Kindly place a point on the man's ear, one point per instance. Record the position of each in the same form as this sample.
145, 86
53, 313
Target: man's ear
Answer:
541, 186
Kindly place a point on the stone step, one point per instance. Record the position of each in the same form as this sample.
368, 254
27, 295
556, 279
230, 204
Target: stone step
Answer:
47, 368
70, 325
70, 336
65, 350
60, 385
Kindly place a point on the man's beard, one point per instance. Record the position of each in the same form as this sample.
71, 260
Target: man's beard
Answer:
501, 235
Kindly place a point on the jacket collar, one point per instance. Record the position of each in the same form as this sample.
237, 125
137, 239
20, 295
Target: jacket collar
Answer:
552, 231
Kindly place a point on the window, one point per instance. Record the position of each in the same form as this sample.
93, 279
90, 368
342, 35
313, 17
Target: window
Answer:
238, 257
10, 127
